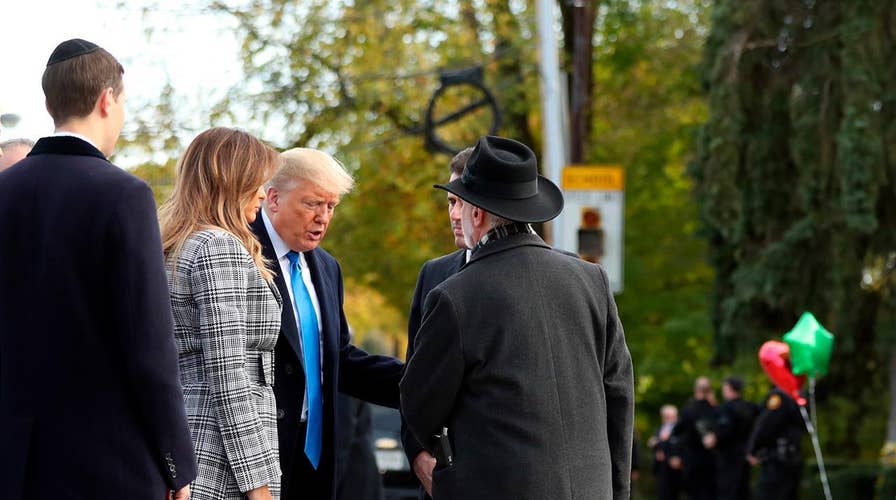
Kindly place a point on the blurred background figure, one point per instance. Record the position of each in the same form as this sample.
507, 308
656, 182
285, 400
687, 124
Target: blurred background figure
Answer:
734, 422
774, 445
14, 150
357, 475
668, 477
695, 423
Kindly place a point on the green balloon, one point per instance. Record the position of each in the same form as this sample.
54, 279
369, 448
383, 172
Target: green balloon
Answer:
810, 346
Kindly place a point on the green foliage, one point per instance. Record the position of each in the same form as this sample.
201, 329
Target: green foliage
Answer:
153, 133
647, 107
795, 180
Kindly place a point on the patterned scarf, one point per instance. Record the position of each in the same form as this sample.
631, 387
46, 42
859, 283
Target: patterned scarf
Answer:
503, 231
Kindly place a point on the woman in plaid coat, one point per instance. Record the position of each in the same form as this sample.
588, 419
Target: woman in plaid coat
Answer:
226, 313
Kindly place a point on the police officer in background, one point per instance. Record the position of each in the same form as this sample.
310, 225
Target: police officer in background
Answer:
774, 445
694, 424
733, 425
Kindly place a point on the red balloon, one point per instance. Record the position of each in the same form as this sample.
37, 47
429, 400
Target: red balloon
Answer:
775, 359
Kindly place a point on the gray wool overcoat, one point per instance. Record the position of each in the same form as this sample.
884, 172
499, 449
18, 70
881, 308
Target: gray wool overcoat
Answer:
226, 319
523, 357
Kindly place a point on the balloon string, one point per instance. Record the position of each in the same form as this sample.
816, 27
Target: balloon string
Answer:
812, 402
818, 457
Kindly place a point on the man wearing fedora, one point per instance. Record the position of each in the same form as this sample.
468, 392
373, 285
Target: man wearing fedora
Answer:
521, 381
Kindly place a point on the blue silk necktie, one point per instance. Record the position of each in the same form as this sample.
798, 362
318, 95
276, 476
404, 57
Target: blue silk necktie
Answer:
311, 356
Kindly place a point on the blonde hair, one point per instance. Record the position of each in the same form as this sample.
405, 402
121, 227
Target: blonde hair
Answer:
312, 165
217, 176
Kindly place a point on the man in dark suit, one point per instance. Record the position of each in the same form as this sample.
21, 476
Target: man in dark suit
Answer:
692, 435
357, 474
432, 273
521, 354
90, 402
731, 430
668, 476
301, 199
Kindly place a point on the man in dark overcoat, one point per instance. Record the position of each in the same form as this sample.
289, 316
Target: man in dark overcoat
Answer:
432, 273
301, 199
90, 401
520, 363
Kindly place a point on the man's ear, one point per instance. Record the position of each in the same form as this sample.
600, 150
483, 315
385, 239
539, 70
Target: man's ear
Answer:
105, 101
273, 198
478, 216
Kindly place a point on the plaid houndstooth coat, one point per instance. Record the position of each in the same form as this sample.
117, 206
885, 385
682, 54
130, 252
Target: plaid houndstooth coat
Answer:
226, 323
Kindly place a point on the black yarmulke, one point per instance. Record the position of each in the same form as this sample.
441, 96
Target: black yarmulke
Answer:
71, 48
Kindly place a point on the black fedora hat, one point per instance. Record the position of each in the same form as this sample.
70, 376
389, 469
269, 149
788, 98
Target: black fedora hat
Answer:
502, 177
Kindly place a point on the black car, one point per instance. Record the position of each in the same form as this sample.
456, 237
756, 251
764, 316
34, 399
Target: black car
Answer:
398, 480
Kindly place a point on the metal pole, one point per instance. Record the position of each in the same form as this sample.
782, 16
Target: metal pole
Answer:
553, 152
580, 79
813, 433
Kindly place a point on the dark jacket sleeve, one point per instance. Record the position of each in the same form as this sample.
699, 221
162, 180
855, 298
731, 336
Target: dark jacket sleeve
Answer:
141, 309
411, 446
369, 377
619, 390
433, 376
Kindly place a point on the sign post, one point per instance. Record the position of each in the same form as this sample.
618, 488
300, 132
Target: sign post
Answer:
593, 222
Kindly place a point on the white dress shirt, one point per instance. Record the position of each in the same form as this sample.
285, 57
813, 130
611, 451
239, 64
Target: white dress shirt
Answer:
66, 133
281, 251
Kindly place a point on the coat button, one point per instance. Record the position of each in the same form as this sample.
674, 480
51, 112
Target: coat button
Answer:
280, 414
288, 368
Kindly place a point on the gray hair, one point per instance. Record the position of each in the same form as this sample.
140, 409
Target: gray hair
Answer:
493, 221
17, 142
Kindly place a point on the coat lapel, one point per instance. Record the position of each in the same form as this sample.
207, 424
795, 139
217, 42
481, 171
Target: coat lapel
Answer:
328, 301
460, 258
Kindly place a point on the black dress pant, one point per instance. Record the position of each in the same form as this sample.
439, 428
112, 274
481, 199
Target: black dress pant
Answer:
300, 480
779, 481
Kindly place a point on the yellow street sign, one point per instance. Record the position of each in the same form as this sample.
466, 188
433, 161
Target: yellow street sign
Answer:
593, 177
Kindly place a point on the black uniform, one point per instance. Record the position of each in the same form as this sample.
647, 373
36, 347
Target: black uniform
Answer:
775, 441
357, 475
698, 478
734, 423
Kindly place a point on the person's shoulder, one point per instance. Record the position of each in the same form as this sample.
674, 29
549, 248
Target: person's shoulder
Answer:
214, 236
325, 260
566, 253
445, 260
109, 177
214, 243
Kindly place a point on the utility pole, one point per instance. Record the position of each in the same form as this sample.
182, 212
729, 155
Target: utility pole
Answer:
583, 12
554, 143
